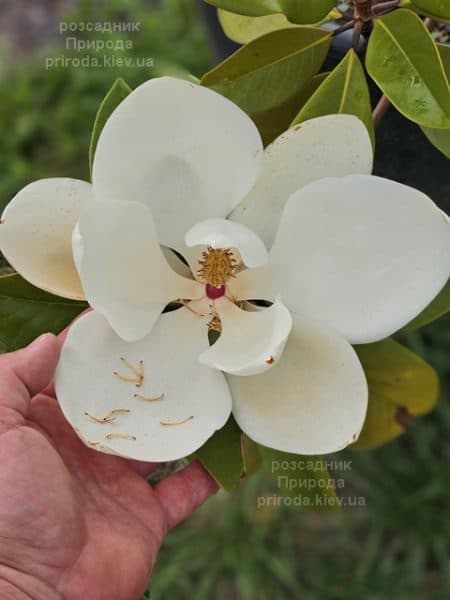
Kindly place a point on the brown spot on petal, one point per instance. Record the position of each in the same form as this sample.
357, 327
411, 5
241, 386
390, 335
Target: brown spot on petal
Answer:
402, 416
270, 360
297, 127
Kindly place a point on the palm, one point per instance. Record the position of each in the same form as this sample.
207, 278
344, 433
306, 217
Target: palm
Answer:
84, 523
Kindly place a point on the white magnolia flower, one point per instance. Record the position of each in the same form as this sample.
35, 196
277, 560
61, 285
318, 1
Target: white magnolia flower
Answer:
352, 258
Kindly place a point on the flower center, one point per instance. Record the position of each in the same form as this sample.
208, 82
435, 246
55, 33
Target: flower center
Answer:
214, 292
216, 267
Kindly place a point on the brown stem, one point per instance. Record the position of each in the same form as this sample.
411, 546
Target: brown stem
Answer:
357, 34
380, 109
385, 6
339, 30
363, 9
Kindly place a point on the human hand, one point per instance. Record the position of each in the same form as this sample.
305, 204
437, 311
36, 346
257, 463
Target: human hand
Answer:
75, 523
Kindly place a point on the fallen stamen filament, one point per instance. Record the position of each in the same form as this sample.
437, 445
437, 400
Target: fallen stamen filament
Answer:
136, 380
119, 436
109, 417
150, 398
180, 422
187, 304
138, 372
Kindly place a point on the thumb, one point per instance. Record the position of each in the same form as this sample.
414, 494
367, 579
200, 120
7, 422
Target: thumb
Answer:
26, 372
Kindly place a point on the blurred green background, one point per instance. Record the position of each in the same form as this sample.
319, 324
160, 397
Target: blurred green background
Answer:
398, 544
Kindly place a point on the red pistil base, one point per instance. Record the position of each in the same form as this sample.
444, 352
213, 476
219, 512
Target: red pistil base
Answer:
213, 292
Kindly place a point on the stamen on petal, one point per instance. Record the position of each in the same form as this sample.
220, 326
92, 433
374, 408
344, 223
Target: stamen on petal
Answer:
151, 398
215, 324
138, 372
180, 422
109, 417
187, 304
120, 436
217, 266
93, 444
106, 419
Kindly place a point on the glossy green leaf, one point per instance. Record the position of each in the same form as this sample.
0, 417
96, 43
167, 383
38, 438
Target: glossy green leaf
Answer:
272, 123
118, 92
444, 53
439, 307
405, 63
252, 8
304, 478
270, 70
251, 454
26, 312
306, 12
343, 91
440, 138
221, 456
243, 29
401, 385
439, 10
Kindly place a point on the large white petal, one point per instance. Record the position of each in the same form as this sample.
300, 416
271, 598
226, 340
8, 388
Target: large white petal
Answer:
223, 233
254, 284
251, 342
361, 254
36, 230
182, 149
329, 146
85, 382
123, 270
312, 402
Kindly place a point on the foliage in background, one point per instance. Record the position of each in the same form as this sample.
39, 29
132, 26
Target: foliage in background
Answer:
48, 114
397, 51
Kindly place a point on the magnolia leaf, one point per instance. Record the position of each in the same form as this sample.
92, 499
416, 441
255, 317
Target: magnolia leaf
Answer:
440, 138
251, 454
270, 70
254, 8
242, 29
221, 456
118, 92
306, 12
272, 123
343, 91
303, 478
439, 10
439, 307
444, 53
26, 312
401, 385
405, 63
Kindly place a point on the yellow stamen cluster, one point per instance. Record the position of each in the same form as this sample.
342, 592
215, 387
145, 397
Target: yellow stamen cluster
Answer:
217, 266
